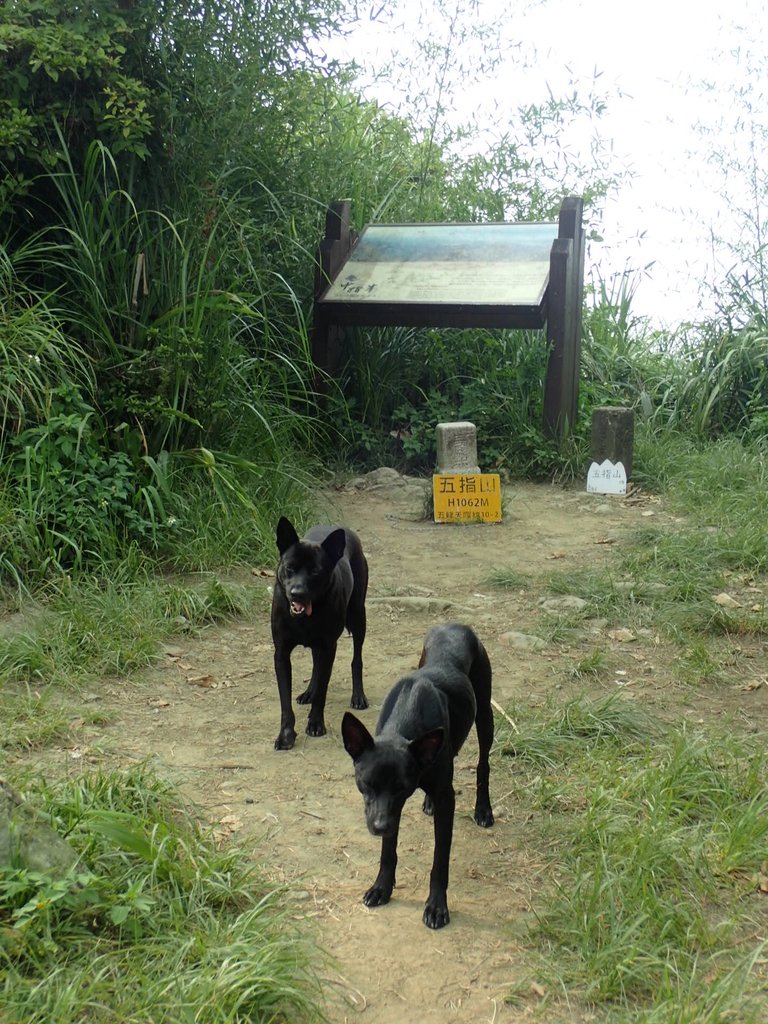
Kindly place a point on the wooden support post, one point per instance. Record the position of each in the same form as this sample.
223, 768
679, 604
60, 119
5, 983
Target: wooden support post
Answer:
557, 415
331, 255
564, 304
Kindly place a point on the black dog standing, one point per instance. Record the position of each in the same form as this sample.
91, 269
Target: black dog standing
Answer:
424, 720
320, 588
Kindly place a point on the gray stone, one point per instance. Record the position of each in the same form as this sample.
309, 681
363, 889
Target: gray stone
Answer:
566, 603
522, 641
384, 477
457, 448
613, 434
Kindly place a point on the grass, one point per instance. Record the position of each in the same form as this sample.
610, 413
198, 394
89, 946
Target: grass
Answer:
30, 719
592, 665
156, 924
654, 838
107, 627
508, 578
575, 725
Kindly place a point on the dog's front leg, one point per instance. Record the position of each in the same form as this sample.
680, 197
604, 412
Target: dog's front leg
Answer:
322, 666
436, 909
287, 735
381, 890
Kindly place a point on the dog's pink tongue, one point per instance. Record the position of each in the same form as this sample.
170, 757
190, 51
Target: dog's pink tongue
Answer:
308, 608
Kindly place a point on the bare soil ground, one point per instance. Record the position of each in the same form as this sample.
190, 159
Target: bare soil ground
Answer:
208, 716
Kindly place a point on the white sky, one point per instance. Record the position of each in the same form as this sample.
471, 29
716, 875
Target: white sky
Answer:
651, 51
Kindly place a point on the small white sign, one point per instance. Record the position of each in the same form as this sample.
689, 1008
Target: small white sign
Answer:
607, 478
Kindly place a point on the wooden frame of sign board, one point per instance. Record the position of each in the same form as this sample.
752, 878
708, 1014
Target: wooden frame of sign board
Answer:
491, 275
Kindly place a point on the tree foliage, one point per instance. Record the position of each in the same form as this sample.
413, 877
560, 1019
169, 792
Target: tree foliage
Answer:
168, 169
64, 64
158, 81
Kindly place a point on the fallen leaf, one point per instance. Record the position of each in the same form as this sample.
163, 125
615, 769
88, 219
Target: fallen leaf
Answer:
227, 827
726, 601
158, 702
753, 684
269, 573
206, 681
605, 540
538, 990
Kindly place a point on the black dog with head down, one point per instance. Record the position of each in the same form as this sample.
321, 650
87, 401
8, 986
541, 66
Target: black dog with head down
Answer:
320, 588
423, 722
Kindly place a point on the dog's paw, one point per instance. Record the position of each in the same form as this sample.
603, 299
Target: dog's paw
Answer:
285, 739
316, 728
436, 915
359, 701
305, 697
484, 816
377, 896
428, 807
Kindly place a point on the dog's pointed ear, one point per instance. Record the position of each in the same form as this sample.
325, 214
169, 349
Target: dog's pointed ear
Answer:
356, 737
285, 534
426, 748
334, 545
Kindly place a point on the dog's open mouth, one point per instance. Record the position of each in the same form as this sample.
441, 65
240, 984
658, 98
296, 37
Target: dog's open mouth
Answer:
299, 608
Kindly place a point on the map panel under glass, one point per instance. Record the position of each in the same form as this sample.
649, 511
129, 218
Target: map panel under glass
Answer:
468, 264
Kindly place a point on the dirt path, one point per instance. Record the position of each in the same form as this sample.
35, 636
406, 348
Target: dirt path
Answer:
209, 715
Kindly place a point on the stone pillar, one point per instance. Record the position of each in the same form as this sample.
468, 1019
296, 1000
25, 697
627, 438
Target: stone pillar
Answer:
457, 448
613, 436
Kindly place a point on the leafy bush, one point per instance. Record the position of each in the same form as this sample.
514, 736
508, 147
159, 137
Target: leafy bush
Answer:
82, 493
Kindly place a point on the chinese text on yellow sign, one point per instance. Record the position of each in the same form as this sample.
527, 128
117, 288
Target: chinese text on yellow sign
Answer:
467, 497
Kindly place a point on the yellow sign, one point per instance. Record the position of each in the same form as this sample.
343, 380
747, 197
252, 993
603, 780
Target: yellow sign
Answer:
467, 497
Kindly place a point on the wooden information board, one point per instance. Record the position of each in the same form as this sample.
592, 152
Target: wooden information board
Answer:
496, 275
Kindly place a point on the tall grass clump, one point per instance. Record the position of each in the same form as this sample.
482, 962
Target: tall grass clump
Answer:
184, 341
158, 922
161, 371
725, 388
659, 837
655, 840
578, 725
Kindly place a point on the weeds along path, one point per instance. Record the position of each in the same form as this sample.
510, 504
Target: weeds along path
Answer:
208, 716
